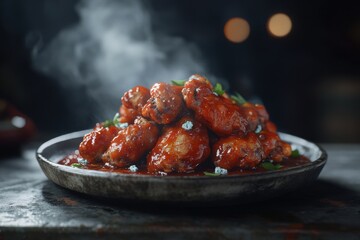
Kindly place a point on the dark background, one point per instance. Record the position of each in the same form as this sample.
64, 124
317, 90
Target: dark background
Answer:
309, 80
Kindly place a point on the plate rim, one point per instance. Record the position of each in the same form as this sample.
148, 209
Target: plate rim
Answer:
320, 161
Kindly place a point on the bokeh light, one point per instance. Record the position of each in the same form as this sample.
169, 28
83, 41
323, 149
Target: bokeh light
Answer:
279, 25
237, 30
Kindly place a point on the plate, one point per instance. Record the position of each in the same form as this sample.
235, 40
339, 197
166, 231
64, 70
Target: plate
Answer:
192, 189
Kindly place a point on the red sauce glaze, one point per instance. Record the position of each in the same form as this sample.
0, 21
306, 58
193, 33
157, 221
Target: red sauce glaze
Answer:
178, 149
184, 130
136, 98
218, 113
131, 143
128, 115
164, 105
205, 167
233, 151
96, 142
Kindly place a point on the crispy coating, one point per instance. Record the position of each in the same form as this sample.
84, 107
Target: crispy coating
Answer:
218, 113
96, 142
164, 105
131, 143
233, 152
180, 148
136, 98
274, 148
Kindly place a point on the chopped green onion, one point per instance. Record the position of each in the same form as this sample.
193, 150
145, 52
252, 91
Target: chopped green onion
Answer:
76, 165
238, 99
270, 166
178, 82
108, 123
211, 174
295, 153
116, 117
113, 122
218, 89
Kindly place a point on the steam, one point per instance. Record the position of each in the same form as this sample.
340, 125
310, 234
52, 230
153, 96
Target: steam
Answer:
111, 50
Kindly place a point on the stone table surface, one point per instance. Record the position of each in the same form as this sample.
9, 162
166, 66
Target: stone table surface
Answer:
32, 207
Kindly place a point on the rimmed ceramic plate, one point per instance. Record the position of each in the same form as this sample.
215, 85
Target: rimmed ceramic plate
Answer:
238, 188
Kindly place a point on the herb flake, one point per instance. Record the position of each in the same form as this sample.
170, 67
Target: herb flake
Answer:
270, 166
114, 122
295, 153
211, 174
76, 165
178, 82
238, 98
218, 89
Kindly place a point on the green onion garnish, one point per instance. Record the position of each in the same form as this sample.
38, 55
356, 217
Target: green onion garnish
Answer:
270, 166
178, 82
238, 99
113, 122
218, 89
211, 174
76, 165
295, 153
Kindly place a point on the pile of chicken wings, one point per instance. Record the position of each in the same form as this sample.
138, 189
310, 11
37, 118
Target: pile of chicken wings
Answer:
177, 128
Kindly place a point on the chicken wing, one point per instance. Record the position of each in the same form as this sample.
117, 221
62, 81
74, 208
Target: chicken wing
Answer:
95, 143
255, 114
218, 113
234, 151
180, 148
132, 103
127, 115
131, 143
165, 103
274, 148
136, 98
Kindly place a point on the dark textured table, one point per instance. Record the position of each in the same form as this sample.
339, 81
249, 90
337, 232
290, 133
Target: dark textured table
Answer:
32, 207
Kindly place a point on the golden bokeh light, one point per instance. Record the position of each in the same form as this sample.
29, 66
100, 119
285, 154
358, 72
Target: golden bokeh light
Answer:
279, 25
237, 30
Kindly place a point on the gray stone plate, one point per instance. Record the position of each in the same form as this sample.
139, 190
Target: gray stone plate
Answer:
190, 189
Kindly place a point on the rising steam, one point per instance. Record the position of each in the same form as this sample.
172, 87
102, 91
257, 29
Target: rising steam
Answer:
110, 50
